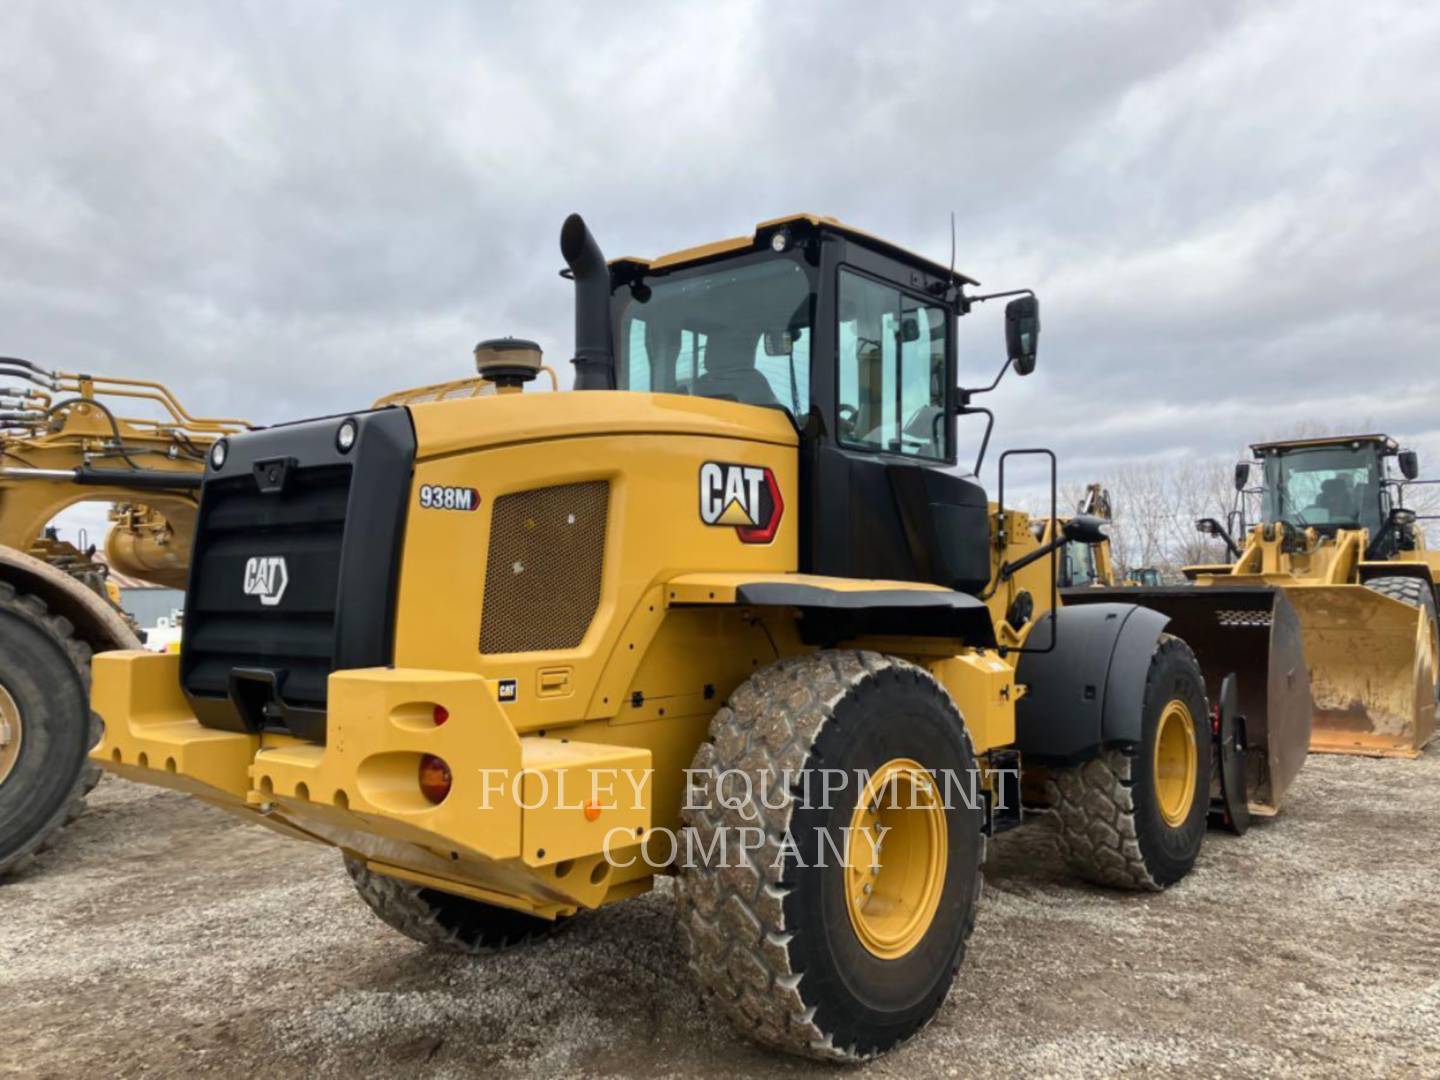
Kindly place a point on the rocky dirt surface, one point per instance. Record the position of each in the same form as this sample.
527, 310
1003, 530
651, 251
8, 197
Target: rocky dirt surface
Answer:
162, 936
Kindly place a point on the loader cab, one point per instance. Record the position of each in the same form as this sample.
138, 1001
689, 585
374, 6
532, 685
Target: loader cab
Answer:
1327, 485
852, 337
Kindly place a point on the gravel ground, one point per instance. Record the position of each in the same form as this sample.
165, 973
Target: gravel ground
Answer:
163, 936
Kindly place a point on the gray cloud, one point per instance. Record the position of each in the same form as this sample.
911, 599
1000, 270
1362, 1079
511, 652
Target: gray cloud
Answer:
1228, 209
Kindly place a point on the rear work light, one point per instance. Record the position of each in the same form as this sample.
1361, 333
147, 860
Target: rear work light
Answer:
434, 778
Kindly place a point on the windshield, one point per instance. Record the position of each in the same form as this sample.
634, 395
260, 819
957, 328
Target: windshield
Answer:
740, 332
1330, 486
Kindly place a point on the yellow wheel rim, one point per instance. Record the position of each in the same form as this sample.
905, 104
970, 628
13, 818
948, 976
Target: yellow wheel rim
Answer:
1175, 760
10, 733
895, 858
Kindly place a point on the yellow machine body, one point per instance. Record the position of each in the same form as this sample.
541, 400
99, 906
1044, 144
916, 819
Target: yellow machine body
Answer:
565, 762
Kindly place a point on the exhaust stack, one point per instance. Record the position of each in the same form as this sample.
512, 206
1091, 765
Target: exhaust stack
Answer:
594, 355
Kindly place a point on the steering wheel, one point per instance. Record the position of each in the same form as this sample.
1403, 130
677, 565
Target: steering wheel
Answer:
847, 414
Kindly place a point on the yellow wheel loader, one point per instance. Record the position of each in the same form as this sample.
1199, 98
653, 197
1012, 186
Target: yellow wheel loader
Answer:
731, 610
1335, 538
62, 441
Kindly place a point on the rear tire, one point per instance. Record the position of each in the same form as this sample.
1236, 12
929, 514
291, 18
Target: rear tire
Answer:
45, 677
802, 950
1132, 818
443, 920
1418, 593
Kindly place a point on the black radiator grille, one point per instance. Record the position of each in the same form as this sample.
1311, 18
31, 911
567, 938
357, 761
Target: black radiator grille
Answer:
295, 570
228, 629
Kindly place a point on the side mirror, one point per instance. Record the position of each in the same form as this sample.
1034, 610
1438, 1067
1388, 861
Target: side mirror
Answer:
1207, 527
1022, 332
1409, 464
1085, 529
1242, 475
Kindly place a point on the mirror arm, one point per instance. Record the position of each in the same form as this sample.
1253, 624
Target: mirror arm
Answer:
998, 295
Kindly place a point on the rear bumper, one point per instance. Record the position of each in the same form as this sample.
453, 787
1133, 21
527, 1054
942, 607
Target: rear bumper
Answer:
529, 822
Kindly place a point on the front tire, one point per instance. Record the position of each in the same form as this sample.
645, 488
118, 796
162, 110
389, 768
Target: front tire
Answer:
809, 944
1135, 816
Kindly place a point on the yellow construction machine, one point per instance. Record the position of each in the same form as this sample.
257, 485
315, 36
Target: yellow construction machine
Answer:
64, 440
730, 610
1335, 537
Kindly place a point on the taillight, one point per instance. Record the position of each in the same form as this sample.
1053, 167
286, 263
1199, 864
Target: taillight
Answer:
434, 778
441, 714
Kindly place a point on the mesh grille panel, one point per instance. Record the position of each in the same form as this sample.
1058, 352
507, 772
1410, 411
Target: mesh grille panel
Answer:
542, 576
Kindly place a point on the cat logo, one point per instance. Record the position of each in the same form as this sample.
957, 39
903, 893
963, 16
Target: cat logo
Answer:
743, 497
267, 578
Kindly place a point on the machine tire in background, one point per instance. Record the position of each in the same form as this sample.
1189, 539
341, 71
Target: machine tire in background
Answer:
1135, 817
443, 920
838, 959
1418, 593
44, 707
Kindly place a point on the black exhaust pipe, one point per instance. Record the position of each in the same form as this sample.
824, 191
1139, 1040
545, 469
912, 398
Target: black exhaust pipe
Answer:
594, 355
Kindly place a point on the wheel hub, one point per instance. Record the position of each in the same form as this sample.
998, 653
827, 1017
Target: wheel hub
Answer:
895, 858
10, 732
1176, 754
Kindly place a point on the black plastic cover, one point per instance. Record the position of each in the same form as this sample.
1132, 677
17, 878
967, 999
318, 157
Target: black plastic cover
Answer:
1089, 691
256, 658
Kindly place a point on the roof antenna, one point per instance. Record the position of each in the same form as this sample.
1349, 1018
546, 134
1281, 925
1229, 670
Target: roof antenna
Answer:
952, 245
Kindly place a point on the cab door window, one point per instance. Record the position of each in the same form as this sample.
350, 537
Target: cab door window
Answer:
892, 370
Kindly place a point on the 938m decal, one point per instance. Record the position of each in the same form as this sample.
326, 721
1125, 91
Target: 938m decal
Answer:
745, 497
442, 497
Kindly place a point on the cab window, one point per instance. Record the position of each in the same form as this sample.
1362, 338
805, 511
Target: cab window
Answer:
737, 333
892, 370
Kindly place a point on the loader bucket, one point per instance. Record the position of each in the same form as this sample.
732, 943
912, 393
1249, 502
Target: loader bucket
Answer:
1251, 632
1372, 670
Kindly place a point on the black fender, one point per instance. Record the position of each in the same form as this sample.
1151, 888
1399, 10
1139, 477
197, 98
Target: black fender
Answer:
1088, 692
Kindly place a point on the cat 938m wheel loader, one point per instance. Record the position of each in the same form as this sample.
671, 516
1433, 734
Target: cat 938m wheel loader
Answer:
67, 438
728, 610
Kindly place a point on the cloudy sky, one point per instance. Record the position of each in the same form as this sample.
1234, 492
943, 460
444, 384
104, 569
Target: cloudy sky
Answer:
1229, 210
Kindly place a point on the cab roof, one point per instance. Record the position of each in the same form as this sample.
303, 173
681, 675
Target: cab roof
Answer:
1386, 443
763, 232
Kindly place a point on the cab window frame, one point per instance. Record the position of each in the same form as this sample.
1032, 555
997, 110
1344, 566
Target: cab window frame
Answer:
886, 272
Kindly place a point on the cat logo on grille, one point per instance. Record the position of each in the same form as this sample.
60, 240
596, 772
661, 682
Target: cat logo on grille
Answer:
267, 578
743, 497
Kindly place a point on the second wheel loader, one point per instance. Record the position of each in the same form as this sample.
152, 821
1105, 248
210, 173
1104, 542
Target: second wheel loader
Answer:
731, 610
67, 438
1335, 538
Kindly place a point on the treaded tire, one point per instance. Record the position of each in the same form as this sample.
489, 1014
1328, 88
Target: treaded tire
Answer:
47, 671
1108, 821
1416, 592
443, 920
767, 932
